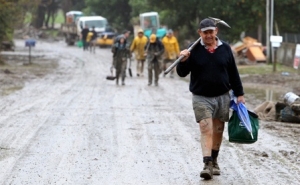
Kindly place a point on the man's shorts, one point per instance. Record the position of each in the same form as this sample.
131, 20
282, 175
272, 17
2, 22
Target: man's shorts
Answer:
211, 107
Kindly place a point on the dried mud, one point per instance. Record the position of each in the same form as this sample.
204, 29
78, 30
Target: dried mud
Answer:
66, 124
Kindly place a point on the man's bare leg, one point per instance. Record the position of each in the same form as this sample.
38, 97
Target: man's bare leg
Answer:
217, 136
206, 129
138, 64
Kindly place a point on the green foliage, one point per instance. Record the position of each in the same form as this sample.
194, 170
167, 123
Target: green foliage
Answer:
184, 16
181, 16
52, 32
7, 11
59, 18
28, 18
12, 14
116, 11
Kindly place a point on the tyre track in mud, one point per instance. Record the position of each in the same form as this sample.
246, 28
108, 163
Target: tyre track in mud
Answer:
75, 127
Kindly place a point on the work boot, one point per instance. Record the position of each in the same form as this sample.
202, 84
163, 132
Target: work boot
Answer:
216, 168
207, 172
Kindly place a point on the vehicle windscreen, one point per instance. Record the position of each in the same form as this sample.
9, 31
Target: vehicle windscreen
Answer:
96, 23
150, 21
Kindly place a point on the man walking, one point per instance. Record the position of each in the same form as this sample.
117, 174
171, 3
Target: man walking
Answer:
122, 53
124, 35
155, 49
213, 74
171, 50
138, 47
84, 34
92, 40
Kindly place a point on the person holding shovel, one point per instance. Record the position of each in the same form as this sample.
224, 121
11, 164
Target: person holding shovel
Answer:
154, 50
138, 47
122, 53
213, 73
114, 50
125, 35
171, 50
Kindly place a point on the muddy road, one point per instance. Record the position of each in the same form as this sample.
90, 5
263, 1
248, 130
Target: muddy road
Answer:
72, 126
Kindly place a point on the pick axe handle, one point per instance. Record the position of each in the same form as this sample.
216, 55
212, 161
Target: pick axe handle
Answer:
181, 57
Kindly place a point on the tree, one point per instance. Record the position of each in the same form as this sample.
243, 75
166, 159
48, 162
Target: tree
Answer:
68, 5
286, 14
52, 9
117, 12
11, 15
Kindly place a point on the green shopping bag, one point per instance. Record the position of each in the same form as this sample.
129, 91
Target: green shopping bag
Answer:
237, 131
80, 44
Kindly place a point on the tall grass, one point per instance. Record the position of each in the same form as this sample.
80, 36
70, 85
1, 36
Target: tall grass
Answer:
264, 69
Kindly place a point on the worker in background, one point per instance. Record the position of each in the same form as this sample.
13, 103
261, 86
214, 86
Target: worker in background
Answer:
138, 47
171, 50
155, 50
92, 39
122, 53
124, 35
83, 36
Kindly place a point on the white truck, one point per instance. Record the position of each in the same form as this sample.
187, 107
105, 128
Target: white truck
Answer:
72, 28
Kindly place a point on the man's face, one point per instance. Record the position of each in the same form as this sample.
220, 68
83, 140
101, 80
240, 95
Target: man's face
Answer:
140, 34
127, 34
122, 40
208, 36
170, 35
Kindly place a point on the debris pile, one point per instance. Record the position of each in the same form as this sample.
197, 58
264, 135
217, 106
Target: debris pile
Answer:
248, 51
287, 111
7, 46
29, 31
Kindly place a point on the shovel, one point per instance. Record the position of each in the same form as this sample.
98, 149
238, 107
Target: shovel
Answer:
111, 77
129, 68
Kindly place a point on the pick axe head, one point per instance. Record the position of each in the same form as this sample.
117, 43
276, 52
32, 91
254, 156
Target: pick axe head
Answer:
216, 20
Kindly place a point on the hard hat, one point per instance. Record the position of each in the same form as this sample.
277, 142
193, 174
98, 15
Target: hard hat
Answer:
152, 38
170, 31
141, 31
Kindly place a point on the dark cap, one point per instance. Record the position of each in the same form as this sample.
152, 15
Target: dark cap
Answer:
125, 31
207, 24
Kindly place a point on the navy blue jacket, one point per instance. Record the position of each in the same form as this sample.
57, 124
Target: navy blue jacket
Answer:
212, 74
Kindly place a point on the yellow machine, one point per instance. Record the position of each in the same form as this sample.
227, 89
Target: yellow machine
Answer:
106, 39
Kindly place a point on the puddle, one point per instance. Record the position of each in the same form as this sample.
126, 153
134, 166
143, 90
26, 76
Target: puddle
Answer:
257, 94
7, 91
264, 94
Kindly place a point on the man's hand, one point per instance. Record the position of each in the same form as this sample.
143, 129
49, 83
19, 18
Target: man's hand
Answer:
241, 99
186, 54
